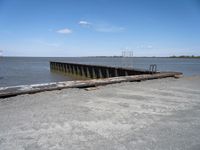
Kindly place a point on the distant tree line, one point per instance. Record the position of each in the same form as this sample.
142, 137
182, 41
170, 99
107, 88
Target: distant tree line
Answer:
185, 56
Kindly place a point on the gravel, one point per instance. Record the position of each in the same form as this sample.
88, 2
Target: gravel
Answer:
150, 115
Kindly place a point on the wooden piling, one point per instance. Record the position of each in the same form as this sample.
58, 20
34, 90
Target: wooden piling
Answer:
88, 72
100, 73
107, 73
116, 73
93, 74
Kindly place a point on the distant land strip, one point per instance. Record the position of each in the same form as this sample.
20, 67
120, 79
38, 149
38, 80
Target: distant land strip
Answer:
183, 56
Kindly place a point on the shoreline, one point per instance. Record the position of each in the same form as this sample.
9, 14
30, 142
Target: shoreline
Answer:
36, 88
182, 56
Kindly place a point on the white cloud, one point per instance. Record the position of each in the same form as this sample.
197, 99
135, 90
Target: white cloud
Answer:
84, 23
64, 31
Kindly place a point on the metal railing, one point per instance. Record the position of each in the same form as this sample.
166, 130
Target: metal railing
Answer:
153, 68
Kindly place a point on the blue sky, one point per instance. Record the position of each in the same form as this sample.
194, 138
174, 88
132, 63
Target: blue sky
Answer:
99, 27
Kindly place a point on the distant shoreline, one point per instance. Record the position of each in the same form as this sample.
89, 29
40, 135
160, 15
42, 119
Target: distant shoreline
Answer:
182, 56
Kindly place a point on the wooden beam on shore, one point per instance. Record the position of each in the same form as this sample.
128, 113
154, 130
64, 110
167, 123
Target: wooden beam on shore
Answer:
35, 88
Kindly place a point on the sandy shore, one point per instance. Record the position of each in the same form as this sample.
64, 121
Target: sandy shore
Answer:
157, 114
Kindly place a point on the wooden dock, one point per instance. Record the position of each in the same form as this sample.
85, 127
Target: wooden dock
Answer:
30, 89
85, 71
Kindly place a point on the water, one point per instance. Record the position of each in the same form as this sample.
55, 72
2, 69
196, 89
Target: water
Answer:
32, 70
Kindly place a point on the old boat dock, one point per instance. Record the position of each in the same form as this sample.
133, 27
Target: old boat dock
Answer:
94, 71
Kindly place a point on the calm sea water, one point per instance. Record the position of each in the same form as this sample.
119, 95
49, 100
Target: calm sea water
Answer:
33, 70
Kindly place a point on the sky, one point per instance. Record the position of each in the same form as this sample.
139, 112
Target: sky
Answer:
67, 28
